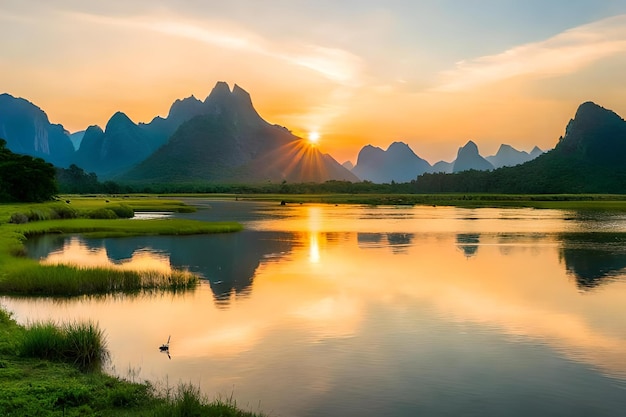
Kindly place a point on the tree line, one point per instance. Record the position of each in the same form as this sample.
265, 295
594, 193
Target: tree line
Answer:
25, 178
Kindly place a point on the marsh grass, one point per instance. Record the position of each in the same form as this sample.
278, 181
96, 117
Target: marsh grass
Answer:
69, 280
188, 400
125, 227
81, 344
22, 276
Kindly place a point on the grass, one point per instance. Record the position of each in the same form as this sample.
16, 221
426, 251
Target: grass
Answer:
34, 279
81, 344
125, 227
187, 400
24, 276
54, 370
75, 206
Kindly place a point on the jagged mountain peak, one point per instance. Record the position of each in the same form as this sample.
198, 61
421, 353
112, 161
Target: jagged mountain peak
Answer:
12, 104
398, 163
591, 110
235, 104
94, 129
468, 158
536, 151
469, 147
219, 91
399, 146
238, 91
371, 148
184, 106
506, 148
596, 134
117, 121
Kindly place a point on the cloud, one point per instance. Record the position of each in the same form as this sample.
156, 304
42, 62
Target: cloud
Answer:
334, 64
562, 54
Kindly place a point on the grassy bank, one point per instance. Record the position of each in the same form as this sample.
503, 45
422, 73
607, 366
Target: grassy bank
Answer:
614, 202
24, 276
48, 369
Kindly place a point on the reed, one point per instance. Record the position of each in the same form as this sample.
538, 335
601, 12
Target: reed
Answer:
69, 280
81, 344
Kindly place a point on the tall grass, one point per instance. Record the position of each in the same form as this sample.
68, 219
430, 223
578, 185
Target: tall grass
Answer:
68, 280
187, 400
81, 344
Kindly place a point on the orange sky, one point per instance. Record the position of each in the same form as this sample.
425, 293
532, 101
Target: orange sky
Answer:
431, 74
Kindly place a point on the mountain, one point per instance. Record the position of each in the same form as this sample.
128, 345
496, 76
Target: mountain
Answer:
124, 144
160, 129
442, 166
398, 163
227, 141
468, 158
595, 134
27, 130
509, 156
535, 152
121, 145
589, 158
348, 165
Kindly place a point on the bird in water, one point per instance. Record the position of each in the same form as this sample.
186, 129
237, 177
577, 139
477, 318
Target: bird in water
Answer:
165, 348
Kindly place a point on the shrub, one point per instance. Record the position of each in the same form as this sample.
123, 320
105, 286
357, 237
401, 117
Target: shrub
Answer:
64, 212
18, 218
82, 344
123, 211
85, 345
44, 341
37, 215
102, 213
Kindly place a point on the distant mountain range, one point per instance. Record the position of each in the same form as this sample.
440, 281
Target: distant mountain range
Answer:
400, 164
224, 140
588, 159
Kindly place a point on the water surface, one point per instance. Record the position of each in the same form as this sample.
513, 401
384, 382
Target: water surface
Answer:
352, 310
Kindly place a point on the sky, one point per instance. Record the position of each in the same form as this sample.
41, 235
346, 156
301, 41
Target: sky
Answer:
431, 73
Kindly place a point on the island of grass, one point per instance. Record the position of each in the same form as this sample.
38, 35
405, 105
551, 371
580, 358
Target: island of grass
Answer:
92, 217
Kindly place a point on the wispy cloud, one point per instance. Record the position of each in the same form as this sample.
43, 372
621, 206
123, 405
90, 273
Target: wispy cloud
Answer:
562, 54
334, 64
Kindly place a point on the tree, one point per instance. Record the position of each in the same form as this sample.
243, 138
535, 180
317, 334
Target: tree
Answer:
24, 178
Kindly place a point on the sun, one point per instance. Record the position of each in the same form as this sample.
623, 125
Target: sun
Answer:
314, 137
